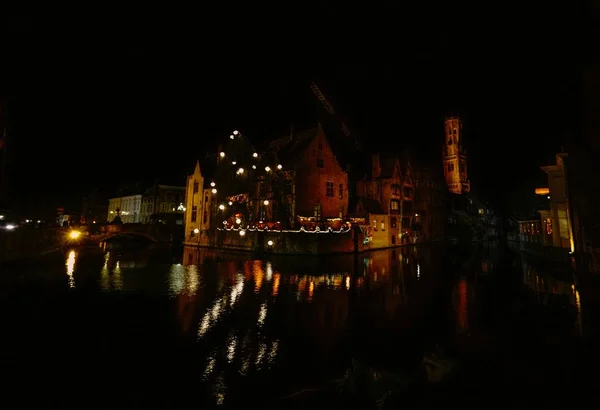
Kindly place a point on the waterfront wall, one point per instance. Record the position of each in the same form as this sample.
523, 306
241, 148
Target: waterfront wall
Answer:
23, 243
285, 242
550, 253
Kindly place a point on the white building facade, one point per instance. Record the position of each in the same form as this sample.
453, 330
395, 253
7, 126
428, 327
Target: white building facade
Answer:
127, 207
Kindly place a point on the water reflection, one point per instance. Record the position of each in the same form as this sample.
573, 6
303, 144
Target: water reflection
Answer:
110, 274
556, 289
278, 322
71, 261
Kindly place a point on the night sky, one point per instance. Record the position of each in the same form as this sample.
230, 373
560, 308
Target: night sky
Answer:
113, 95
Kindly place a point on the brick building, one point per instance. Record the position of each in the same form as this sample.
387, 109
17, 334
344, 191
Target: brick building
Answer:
315, 186
429, 204
390, 184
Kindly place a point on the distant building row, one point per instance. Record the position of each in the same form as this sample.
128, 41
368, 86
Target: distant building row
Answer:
299, 183
156, 204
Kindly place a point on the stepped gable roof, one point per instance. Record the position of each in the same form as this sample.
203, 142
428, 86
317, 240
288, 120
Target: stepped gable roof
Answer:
370, 206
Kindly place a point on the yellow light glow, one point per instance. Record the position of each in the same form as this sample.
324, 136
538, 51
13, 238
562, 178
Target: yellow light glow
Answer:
266, 202
74, 234
542, 191
222, 154
214, 190
270, 243
267, 169
279, 166
242, 233
221, 207
196, 230
238, 221
255, 155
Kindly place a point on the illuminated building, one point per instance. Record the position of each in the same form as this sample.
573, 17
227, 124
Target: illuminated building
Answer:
454, 157
197, 208
555, 222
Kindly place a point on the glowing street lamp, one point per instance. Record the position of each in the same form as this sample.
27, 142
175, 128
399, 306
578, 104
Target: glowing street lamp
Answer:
236, 132
266, 202
214, 190
221, 207
238, 221
222, 154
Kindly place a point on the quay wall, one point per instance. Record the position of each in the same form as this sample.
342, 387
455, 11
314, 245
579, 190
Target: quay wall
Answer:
285, 242
549, 253
23, 243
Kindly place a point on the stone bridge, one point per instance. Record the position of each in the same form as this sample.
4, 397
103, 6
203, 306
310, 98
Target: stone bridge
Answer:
154, 232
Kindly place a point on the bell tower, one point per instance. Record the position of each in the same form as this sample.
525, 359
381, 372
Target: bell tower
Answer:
454, 157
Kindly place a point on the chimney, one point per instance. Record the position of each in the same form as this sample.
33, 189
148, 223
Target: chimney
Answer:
375, 167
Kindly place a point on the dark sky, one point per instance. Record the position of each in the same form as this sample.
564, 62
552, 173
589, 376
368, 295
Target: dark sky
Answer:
102, 95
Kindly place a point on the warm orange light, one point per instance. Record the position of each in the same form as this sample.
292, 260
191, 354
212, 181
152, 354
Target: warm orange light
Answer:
542, 191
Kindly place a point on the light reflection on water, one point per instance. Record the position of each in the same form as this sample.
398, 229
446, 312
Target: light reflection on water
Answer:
71, 261
246, 319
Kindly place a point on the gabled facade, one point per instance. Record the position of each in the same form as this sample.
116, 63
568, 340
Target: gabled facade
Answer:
390, 183
375, 222
312, 184
198, 205
429, 203
406, 206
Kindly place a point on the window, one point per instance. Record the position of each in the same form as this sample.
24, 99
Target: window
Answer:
320, 147
454, 131
450, 142
341, 212
480, 211
194, 213
450, 167
383, 226
374, 225
395, 190
407, 207
341, 190
408, 192
329, 189
394, 205
393, 222
320, 163
164, 207
172, 206
318, 212
205, 219
461, 167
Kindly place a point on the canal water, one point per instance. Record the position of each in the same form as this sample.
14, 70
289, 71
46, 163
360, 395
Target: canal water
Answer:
189, 328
